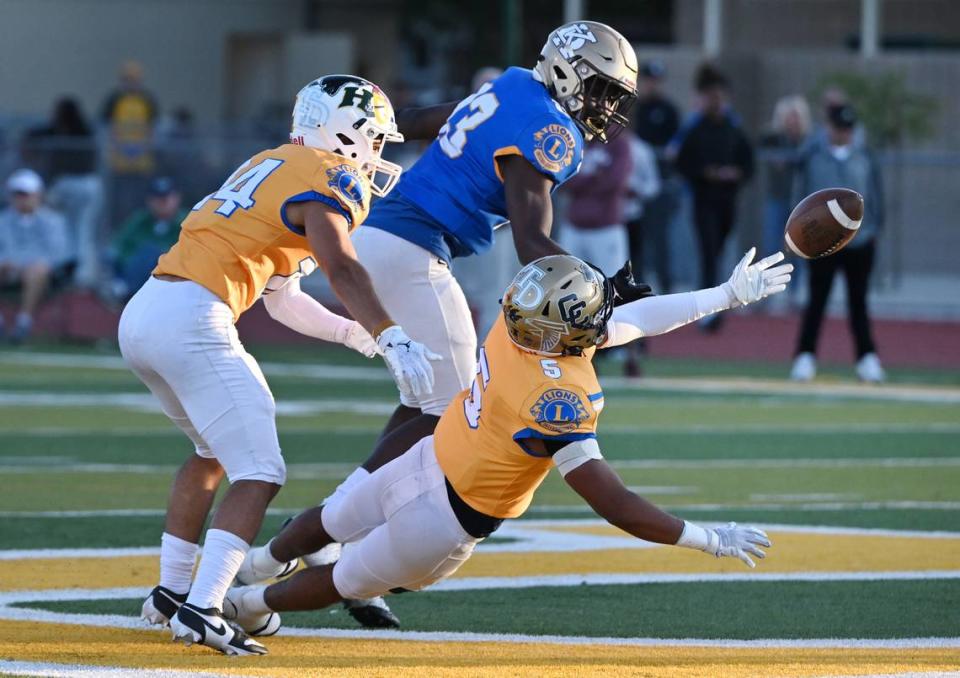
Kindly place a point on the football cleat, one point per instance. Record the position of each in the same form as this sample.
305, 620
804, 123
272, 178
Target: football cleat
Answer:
253, 623
161, 606
256, 568
208, 627
372, 613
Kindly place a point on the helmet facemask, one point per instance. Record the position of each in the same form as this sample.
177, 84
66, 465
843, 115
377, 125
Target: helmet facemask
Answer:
600, 104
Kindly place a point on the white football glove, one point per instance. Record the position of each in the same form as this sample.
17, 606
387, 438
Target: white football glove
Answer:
753, 282
352, 335
737, 542
408, 360
729, 541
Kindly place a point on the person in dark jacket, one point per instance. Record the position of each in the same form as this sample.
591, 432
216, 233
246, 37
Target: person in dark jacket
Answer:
716, 158
840, 161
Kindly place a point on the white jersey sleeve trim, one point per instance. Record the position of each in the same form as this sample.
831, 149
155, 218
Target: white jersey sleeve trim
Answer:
659, 315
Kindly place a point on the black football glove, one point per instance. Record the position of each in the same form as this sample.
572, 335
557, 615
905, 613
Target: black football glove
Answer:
626, 289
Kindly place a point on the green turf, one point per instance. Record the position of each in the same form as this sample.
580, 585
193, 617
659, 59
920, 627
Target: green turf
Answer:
742, 610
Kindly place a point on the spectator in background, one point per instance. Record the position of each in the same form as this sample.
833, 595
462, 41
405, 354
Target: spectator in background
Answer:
33, 247
594, 227
656, 120
716, 158
129, 113
786, 140
146, 234
840, 162
66, 149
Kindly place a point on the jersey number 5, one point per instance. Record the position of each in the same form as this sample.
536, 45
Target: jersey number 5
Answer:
474, 402
238, 190
481, 105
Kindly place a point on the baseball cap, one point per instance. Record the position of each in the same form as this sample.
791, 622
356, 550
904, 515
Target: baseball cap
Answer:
25, 181
653, 68
161, 187
843, 116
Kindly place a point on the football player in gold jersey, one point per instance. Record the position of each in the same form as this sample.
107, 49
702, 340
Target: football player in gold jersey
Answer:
281, 215
533, 405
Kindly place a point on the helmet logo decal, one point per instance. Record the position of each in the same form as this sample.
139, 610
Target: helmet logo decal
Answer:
550, 332
360, 97
559, 410
571, 308
553, 147
345, 180
529, 293
568, 39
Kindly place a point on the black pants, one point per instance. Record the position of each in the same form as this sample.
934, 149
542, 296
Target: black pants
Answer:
856, 263
713, 217
653, 229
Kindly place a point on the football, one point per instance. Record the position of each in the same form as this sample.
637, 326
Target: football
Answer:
824, 222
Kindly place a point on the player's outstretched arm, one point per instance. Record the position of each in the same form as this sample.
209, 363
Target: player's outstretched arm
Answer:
423, 123
327, 232
750, 282
302, 313
529, 208
603, 489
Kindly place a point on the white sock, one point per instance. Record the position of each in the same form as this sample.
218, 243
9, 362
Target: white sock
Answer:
223, 554
252, 601
263, 561
358, 474
177, 558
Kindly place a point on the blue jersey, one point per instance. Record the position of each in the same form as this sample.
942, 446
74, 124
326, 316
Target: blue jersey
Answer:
450, 201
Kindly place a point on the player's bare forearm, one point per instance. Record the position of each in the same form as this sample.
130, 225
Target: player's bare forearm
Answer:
328, 234
423, 123
529, 208
603, 489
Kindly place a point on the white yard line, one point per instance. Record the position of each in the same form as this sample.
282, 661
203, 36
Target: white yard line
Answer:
25, 668
711, 385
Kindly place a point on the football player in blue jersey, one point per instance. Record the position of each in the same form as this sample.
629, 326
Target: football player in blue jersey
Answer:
502, 152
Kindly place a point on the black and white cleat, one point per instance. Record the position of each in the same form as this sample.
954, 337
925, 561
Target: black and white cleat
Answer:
208, 627
372, 613
251, 622
161, 606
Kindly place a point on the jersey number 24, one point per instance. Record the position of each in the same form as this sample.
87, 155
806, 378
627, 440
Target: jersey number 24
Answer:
479, 106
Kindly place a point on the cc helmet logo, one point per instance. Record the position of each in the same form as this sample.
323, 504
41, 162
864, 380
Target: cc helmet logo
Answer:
571, 308
568, 39
529, 293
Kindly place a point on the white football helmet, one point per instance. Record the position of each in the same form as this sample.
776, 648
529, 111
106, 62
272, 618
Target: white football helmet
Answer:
352, 117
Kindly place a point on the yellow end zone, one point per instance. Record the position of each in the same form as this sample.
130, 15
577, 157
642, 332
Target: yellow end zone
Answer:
292, 656
791, 552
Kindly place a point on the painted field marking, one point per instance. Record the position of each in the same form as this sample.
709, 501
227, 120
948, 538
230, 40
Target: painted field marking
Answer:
25, 668
714, 385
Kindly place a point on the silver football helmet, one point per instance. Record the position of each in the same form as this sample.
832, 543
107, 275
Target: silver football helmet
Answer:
591, 70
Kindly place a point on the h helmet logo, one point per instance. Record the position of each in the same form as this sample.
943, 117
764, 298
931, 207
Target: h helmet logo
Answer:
362, 98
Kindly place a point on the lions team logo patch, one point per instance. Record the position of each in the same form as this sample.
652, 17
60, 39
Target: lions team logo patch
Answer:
559, 410
553, 147
345, 180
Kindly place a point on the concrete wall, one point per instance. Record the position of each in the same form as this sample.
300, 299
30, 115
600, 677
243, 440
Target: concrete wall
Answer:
54, 47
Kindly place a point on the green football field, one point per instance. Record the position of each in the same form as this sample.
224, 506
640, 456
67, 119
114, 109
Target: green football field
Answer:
859, 488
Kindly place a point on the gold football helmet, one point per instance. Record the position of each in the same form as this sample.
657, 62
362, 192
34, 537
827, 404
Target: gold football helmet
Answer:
558, 305
591, 70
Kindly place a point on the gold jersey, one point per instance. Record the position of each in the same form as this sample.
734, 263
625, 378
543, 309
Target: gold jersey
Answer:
235, 240
482, 439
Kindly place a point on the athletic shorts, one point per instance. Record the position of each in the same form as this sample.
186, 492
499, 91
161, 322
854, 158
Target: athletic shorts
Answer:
420, 293
400, 527
179, 338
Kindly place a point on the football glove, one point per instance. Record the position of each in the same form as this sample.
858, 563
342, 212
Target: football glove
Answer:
737, 542
408, 360
352, 335
753, 282
625, 288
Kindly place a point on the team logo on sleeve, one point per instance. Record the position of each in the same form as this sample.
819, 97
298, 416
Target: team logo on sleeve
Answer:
559, 410
345, 181
553, 147
569, 39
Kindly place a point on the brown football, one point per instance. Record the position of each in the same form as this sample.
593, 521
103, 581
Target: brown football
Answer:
824, 222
